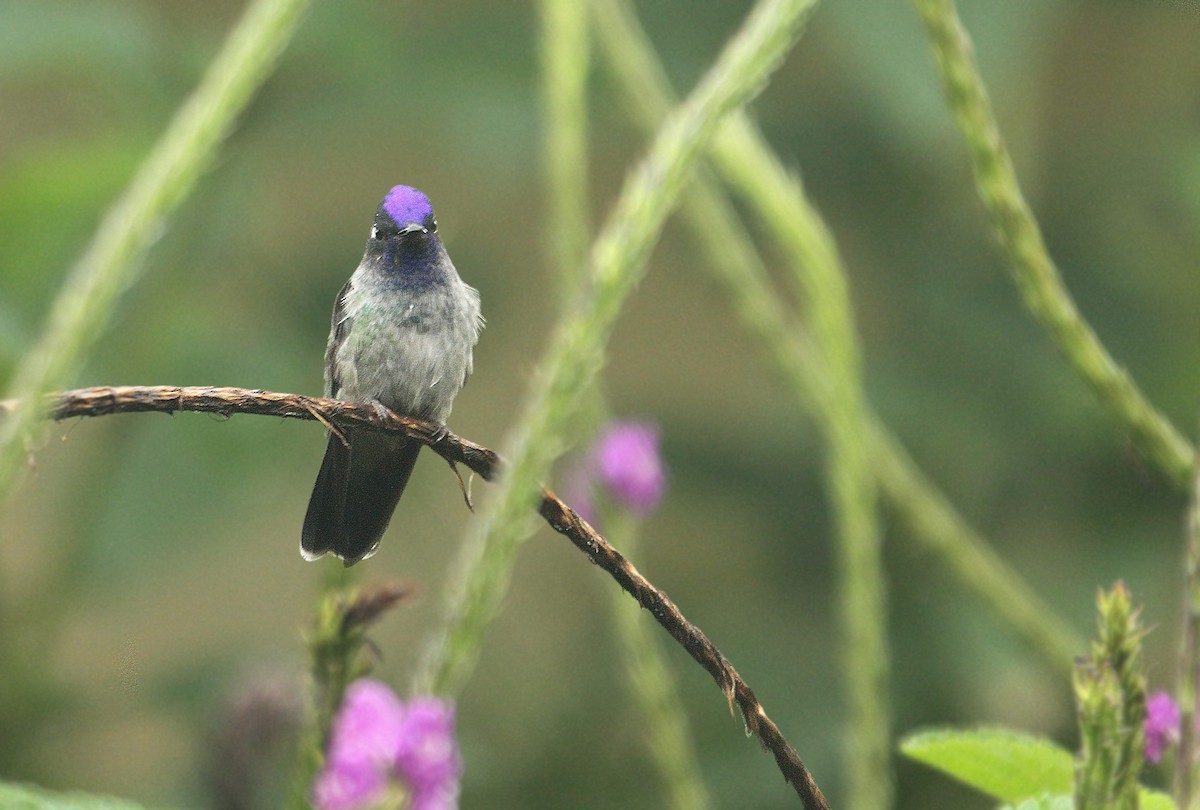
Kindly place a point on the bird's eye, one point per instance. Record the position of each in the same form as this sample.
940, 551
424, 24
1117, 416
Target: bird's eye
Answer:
374, 232
433, 226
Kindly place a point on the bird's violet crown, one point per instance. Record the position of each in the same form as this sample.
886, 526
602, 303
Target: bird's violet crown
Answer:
405, 204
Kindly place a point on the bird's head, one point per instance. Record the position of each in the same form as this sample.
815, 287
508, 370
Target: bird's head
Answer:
404, 237
404, 210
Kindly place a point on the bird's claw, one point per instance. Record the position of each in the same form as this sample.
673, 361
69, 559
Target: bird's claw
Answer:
381, 411
466, 493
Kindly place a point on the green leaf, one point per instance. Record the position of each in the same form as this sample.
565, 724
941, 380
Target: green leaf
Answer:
1046, 802
1010, 766
1153, 800
23, 797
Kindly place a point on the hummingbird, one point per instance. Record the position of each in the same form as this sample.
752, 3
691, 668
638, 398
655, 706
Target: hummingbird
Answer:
401, 337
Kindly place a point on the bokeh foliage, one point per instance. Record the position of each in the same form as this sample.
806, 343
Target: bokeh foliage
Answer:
148, 565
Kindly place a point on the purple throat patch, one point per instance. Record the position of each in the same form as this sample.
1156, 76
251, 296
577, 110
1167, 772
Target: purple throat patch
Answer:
405, 204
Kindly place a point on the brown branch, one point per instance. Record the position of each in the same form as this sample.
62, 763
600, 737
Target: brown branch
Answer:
566, 522
228, 401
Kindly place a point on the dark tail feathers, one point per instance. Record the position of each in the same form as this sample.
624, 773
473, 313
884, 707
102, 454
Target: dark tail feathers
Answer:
357, 490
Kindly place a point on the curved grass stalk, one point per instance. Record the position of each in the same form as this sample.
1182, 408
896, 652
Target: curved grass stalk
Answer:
576, 352
1032, 269
780, 204
111, 263
932, 519
564, 73
779, 201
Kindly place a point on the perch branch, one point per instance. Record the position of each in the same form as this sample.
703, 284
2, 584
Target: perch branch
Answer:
488, 465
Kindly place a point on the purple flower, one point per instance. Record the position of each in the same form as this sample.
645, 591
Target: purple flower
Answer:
378, 741
348, 785
427, 755
1161, 726
366, 724
629, 466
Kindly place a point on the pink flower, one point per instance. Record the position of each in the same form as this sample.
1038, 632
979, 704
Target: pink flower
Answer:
378, 741
427, 754
348, 785
1161, 726
629, 466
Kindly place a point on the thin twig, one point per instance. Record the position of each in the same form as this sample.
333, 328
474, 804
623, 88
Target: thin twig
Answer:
566, 522
227, 401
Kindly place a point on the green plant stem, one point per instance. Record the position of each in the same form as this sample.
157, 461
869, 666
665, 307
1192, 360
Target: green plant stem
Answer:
576, 352
1110, 692
1032, 269
662, 718
112, 261
1187, 767
779, 201
334, 663
565, 64
564, 74
341, 653
931, 519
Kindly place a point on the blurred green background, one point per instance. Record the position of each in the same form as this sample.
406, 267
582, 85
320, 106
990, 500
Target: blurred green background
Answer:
149, 566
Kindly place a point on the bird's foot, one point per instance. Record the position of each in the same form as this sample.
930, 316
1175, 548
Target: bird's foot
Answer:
381, 412
330, 426
464, 488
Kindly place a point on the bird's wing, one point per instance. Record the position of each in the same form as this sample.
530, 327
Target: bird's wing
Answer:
338, 330
477, 324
